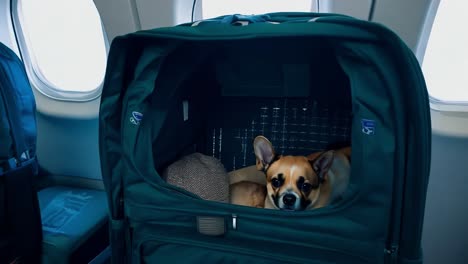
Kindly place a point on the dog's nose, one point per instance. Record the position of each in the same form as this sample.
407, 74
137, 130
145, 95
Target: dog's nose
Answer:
289, 199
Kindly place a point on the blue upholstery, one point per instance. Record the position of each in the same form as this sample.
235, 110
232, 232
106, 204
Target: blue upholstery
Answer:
69, 217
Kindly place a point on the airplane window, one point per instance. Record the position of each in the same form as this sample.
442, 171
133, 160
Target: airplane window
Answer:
215, 8
445, 63
66, 44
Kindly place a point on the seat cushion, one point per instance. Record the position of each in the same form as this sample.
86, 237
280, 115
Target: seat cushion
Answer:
69, 217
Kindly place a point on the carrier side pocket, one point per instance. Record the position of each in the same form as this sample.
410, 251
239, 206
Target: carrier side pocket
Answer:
157, 251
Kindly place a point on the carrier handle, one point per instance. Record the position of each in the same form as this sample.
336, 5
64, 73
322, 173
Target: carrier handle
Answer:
270, 18
236, 20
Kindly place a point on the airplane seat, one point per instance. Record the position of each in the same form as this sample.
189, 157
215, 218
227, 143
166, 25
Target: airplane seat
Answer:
74, 219
74, 223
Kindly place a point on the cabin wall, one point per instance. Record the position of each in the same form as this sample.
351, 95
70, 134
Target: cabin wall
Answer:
445, 237
68, 146
355, 8
125, 16
118, 16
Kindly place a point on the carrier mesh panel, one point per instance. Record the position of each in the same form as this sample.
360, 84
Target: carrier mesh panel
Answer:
294, 126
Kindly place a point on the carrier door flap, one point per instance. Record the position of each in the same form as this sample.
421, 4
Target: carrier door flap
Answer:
264, 79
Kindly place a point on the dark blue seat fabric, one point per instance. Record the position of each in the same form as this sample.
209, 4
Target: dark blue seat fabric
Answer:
69, 217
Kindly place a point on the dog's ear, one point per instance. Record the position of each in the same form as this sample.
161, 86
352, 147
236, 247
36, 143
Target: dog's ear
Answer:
322, 164
264, 152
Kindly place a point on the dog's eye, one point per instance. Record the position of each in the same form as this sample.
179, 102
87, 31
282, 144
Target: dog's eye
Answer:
275, 182
306, 187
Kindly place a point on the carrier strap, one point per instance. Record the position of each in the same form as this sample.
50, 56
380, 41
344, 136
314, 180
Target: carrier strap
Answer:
236, 20
272, 18
9, 95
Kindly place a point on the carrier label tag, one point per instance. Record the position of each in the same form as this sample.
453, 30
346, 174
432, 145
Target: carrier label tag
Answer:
368, 126
136, 118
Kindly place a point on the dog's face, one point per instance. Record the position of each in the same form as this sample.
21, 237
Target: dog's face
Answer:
293, 182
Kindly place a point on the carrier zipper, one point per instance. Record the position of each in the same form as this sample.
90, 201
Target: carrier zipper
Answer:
121, 204
120, 210
391, 254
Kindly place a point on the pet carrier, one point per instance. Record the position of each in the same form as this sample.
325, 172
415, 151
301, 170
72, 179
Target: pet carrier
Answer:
305, 81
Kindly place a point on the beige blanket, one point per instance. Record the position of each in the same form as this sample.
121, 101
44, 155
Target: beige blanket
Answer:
206, 176
200, 174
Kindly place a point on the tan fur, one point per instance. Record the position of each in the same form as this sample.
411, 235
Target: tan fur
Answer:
248, 194
337, 178
249, 173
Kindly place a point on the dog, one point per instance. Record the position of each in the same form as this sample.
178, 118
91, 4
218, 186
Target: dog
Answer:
294, 183
248, 193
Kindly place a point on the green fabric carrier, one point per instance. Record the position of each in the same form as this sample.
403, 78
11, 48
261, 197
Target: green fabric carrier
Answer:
304, 80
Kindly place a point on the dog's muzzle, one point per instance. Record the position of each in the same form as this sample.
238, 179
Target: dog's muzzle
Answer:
289, 201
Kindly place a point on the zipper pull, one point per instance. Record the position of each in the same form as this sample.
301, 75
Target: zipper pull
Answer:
120, 209
234, 221
392, 254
